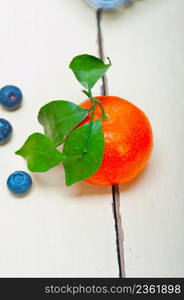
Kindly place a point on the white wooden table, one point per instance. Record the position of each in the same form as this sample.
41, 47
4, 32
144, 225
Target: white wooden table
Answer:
59, 231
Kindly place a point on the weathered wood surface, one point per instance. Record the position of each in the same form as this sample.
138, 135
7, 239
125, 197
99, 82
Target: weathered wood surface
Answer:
60, 231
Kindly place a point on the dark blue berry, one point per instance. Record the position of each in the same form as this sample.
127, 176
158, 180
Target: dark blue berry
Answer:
5, 131
19, 182
10, 97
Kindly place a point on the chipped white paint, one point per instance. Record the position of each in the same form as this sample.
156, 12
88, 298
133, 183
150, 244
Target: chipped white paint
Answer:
60, 231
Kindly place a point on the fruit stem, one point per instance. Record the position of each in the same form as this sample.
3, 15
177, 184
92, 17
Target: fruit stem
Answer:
104, 115
96, 101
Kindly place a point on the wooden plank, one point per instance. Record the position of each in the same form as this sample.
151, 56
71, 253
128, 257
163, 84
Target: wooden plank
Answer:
146, 45
54, 230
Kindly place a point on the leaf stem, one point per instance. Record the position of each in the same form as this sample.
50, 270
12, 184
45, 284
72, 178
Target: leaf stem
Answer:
90, 127
94, 101
92, 113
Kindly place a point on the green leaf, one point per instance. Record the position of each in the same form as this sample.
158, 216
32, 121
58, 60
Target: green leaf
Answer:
84, 150
59, 118
40, 153
88, 69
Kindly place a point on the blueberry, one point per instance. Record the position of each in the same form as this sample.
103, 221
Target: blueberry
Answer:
5, 131
19, 182
10, 97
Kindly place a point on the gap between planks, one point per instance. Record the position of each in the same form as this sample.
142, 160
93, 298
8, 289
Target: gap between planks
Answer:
115, 188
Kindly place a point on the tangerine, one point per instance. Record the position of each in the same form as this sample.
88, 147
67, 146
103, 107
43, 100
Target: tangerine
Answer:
128, 140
